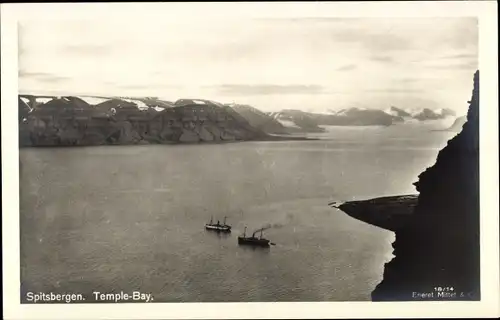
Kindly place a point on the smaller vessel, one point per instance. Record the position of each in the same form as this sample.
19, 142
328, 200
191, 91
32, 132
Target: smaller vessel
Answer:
253, 240
217, 226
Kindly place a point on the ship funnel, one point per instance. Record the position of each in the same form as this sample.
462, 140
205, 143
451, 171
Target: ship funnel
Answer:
260, 230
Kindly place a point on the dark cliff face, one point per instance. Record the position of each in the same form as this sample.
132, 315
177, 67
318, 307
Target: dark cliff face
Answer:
391, 213
71, 121
439, 247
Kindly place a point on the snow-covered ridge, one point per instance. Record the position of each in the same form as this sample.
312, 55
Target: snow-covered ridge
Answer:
141, 103
307, 120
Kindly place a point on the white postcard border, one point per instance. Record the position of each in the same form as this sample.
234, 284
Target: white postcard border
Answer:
488, 55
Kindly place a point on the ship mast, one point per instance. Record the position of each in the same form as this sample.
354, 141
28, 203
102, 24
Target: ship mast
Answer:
261, 233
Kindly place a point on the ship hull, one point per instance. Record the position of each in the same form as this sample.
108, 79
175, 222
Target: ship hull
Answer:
253, 242
218, 228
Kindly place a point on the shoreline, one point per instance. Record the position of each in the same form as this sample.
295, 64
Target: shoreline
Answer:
175, 143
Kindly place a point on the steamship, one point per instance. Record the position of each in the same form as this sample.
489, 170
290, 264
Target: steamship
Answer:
217, 226
253, 240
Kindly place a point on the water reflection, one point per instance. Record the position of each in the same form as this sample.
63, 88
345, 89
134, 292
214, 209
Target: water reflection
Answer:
219, 234
255, 248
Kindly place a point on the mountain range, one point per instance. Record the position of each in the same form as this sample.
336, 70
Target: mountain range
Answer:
46, 120
296, 120
301, 121
63, 121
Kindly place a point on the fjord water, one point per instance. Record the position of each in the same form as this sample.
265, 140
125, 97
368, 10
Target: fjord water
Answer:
131, 218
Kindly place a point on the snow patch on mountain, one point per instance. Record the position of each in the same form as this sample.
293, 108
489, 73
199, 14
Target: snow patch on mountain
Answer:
287, 123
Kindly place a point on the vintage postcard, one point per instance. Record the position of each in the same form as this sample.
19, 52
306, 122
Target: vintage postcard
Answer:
250, 160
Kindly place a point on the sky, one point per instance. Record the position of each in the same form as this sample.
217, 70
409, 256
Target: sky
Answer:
310, 64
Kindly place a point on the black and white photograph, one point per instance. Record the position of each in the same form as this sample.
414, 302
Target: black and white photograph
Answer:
170, 158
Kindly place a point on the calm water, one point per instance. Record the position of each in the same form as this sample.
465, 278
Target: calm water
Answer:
131, 218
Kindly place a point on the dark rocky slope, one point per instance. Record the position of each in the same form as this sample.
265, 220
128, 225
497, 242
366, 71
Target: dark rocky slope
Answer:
72, 121
437, 244
391, 213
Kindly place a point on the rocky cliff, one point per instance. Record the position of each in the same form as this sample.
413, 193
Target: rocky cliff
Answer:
391, 213
437, 233
71, 121
439, 245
